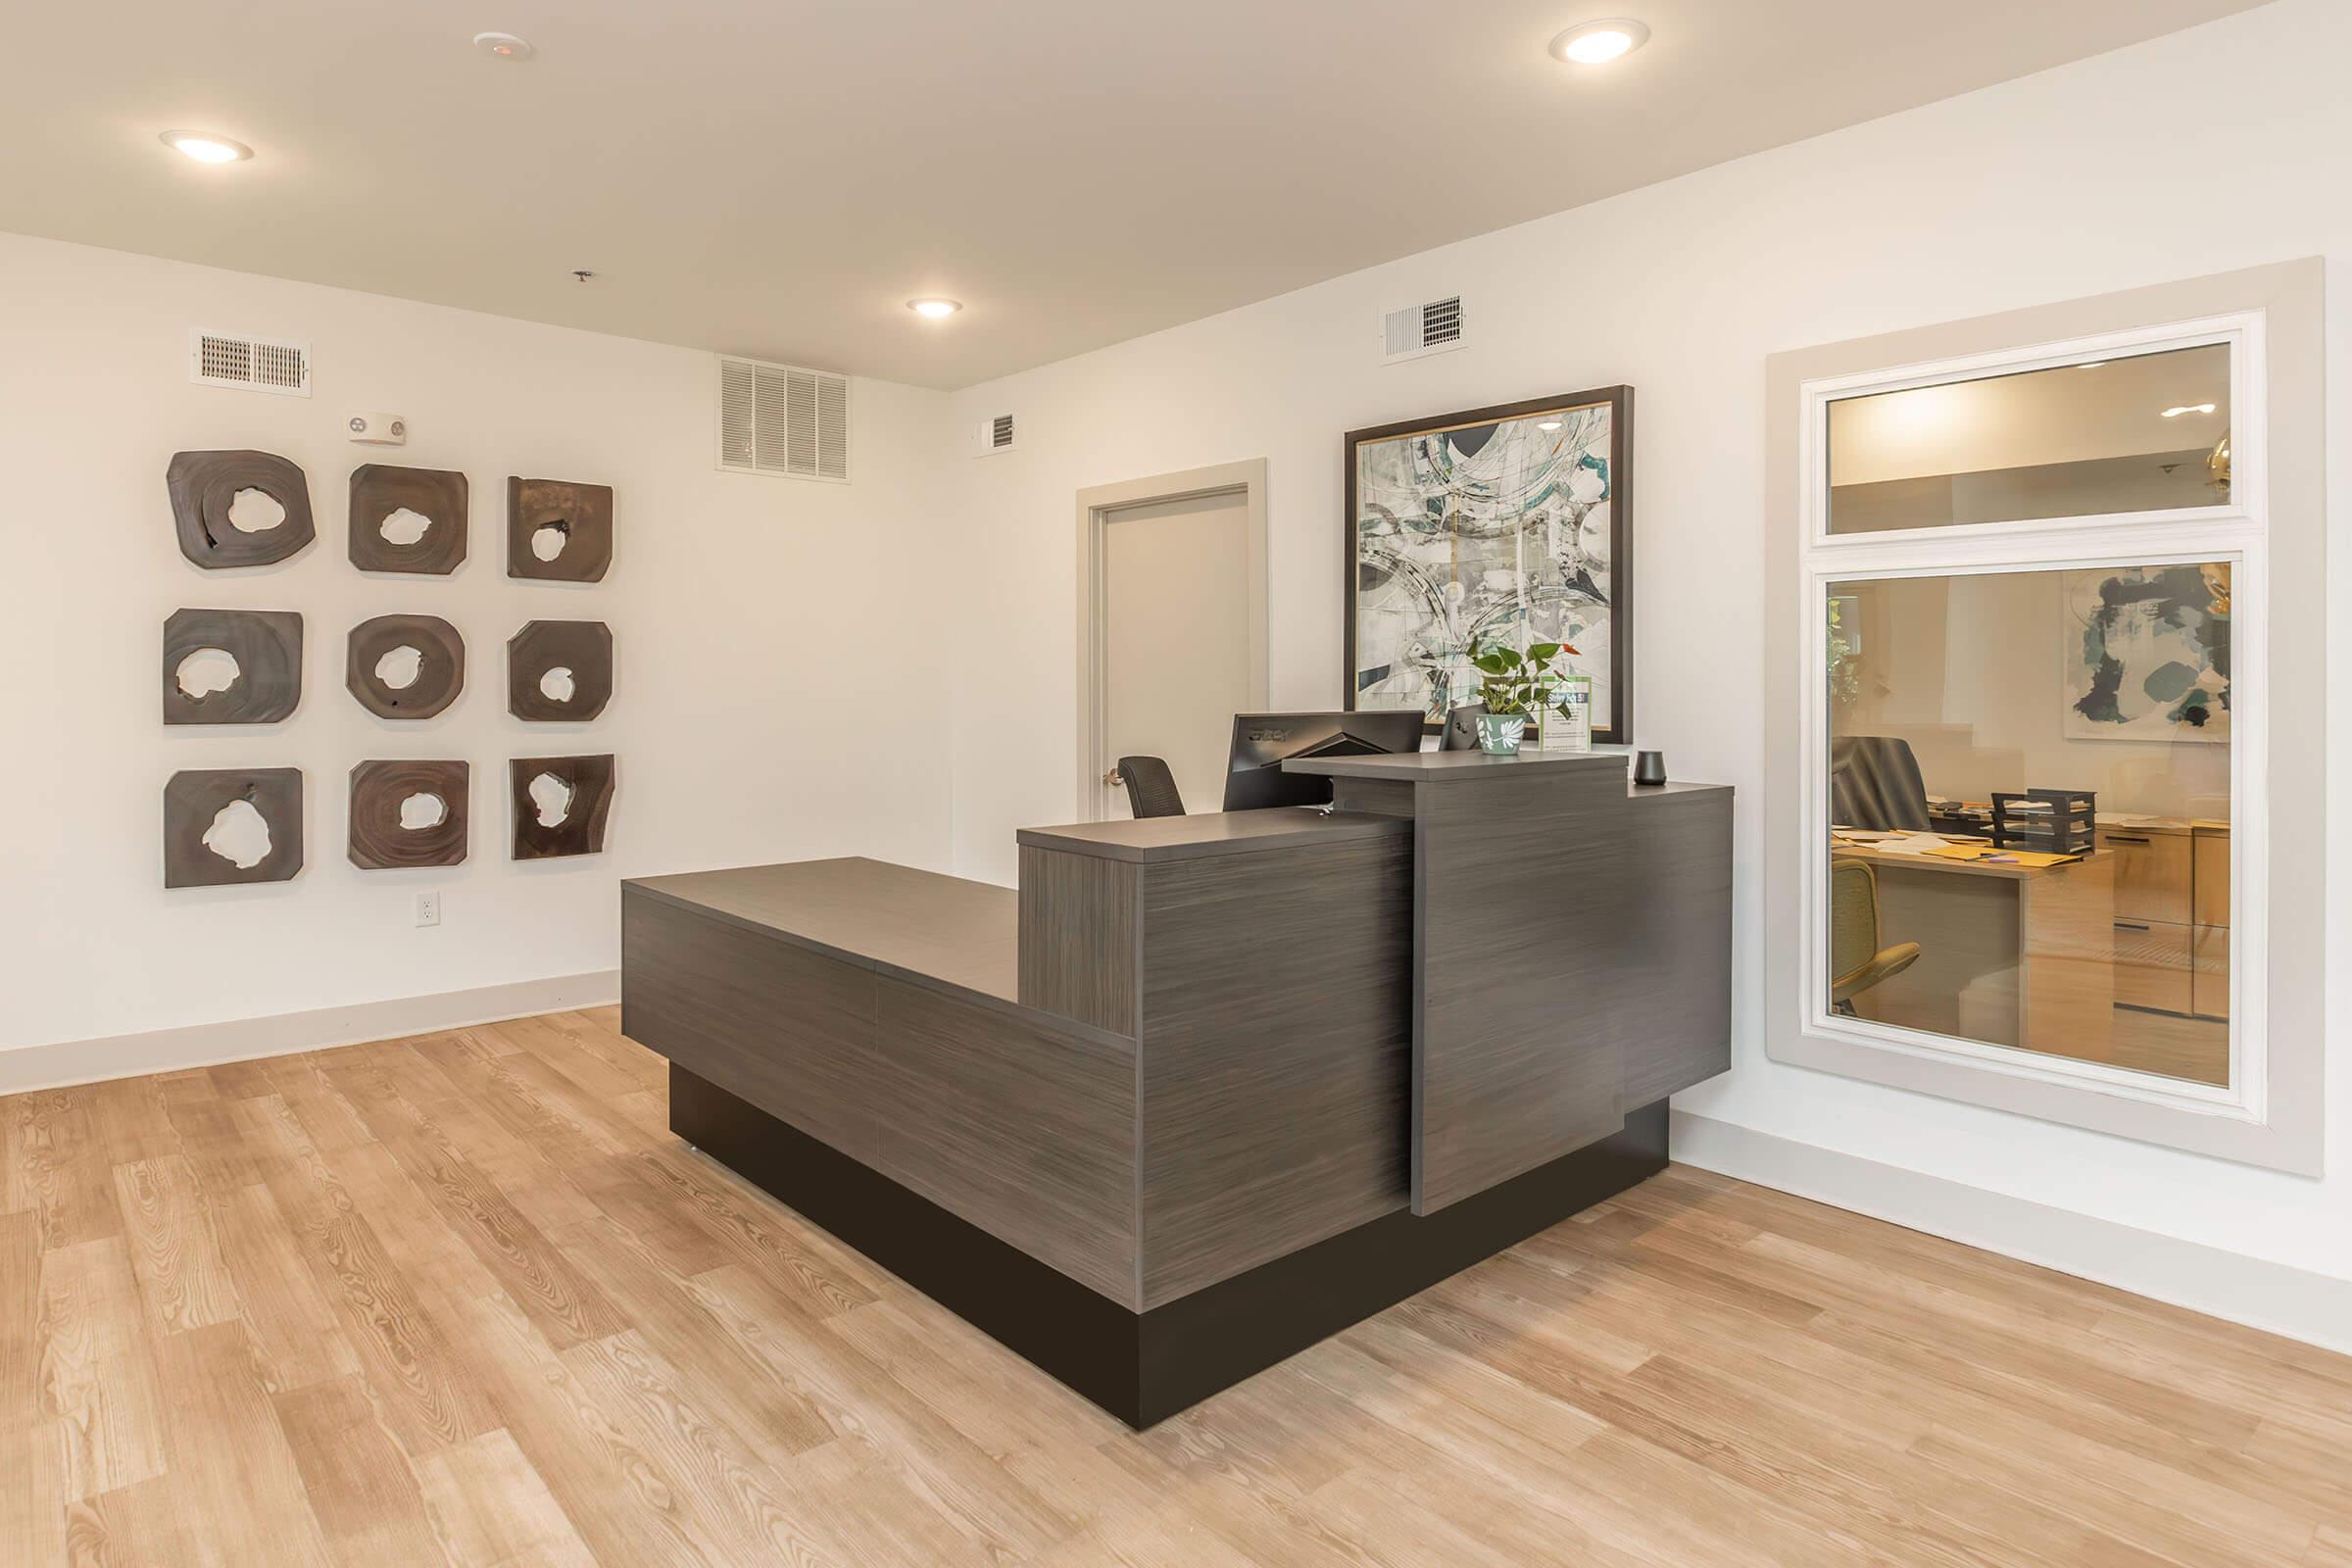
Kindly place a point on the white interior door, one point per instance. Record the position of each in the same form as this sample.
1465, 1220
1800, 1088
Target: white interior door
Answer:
1176, 648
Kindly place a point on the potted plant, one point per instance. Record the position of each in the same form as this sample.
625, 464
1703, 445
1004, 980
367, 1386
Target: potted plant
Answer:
1515, 687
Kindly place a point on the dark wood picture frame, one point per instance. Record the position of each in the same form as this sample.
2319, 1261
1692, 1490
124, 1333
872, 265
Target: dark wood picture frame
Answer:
1619, 731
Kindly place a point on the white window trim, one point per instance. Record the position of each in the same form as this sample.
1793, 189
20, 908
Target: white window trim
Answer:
2289, 897
2249, 451
2236, 532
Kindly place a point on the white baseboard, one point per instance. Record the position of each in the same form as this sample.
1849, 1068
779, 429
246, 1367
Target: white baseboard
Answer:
2299, 1303
207, 1045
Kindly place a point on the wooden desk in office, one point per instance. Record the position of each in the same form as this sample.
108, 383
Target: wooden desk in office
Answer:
1150, 1119
2009, 955
2172, 913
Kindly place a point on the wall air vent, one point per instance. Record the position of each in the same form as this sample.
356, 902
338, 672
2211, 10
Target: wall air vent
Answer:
991, 436
784, 421
256, 365
1417, 330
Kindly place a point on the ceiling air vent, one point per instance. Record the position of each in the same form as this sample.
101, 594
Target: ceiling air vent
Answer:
991, 436
782, 419
1420, 330
256, 365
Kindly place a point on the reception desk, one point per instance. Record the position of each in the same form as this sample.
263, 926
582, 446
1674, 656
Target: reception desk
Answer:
1207, 1088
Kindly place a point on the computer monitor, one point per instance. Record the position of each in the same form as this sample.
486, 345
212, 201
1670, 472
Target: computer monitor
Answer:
1253, 775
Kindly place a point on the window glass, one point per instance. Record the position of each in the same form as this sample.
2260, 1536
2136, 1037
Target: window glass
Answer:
2143, 433
2029, 810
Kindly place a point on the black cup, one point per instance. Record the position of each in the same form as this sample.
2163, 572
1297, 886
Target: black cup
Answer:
1650, 767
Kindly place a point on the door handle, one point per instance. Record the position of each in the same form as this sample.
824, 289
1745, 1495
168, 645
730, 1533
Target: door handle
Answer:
1112, 777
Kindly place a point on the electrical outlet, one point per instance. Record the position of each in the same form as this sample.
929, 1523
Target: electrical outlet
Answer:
428, 909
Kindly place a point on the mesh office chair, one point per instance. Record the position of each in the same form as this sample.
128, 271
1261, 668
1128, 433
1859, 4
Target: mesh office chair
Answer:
1856, 961
1875, 783
1150, 787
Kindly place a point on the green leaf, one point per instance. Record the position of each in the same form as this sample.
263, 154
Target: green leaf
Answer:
1492, 663
1542, 652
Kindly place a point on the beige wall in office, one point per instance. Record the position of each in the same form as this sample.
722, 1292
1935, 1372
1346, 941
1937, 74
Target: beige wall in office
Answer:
2217, 148
743, 713
1973, 673
2072, 414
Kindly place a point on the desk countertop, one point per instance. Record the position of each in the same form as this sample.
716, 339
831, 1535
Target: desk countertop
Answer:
1447, 768
1938, 863
915, 924
1184, 838
1434, 767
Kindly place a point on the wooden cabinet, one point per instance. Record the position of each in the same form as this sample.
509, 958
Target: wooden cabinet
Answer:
2209, 971
2210, 901
2153, 869
2172, 916
2152, 964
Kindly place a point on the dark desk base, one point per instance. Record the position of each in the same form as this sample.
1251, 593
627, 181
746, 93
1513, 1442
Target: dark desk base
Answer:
1144, 1367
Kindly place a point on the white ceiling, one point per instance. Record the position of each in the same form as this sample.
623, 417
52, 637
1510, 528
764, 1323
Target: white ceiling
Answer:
777, 177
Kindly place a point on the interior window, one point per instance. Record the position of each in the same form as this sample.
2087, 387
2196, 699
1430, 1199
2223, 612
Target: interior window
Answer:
2029, 810
2146, 432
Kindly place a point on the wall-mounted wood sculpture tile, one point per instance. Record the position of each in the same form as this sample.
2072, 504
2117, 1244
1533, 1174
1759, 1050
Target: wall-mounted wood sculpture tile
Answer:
440, 666
387, 834
570, 657
266, 648
559, 531
204, 486
206, 830
565, 817
437, 495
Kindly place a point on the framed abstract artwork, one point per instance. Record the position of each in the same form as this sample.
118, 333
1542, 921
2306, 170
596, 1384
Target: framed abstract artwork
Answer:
1508, 524
2147, 654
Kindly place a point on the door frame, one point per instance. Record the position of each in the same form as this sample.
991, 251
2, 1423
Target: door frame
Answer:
1245, 479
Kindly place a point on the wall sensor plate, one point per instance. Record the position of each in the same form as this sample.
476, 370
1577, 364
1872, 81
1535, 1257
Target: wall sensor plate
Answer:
379, 430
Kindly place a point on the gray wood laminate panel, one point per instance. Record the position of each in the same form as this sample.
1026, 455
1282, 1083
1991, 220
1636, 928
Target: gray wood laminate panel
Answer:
1276, 1048
1382, 797
871, 912
779, 1025
1459, 767
1079, 922
1674, 1003
1204, 833
1521, 937
1024, 1129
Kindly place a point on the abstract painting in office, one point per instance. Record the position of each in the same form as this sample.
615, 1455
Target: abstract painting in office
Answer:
2147, 654
1507, 524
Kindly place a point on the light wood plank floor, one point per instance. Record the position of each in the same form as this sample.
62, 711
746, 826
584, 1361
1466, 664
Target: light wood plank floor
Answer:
460, 1298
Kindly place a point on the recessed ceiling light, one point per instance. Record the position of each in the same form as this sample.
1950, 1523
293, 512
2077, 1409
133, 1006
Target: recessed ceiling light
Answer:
504, 46
1596, 43
207, 148
2178, 410
935, 310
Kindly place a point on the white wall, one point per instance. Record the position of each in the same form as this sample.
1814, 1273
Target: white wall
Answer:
1973, 673
739, 607
2217, 148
